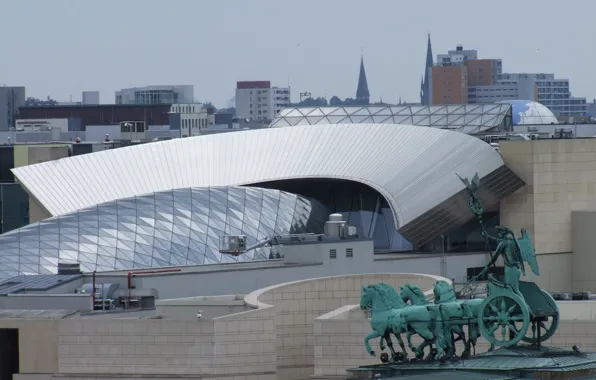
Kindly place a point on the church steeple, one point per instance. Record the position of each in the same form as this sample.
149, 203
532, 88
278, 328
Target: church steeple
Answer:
426, 85
362, 93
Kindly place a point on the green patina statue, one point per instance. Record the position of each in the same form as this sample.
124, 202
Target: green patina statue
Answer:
513, 310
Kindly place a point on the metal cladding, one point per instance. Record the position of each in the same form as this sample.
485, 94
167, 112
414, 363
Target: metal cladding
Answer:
169, 228
466, 118
413, 168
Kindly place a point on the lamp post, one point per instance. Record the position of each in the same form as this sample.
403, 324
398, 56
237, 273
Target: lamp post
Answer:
443, 260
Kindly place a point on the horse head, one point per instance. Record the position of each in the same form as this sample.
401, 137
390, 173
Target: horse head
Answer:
366, 299
380, 297
413, 294
443, 292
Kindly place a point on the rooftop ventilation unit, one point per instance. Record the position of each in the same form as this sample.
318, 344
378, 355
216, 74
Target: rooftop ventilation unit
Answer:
336, 227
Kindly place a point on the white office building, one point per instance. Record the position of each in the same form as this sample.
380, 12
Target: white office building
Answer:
542, 88
191, 119
176, 94
90, 97
258, 101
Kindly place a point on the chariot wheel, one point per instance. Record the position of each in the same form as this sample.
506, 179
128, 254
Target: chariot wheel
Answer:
504, 319
547, 325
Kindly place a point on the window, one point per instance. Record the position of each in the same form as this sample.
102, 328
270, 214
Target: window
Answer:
349, 252
332, 253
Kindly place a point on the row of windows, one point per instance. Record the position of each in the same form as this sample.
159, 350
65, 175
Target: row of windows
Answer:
184, 109
193, 123
333, 253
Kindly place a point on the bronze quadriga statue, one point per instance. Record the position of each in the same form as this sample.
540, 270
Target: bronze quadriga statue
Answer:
513, 311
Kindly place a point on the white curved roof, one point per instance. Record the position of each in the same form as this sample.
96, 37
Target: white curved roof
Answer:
414, 168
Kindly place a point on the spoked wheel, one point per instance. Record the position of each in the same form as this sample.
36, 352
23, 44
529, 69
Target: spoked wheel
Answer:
544, 327
504, 319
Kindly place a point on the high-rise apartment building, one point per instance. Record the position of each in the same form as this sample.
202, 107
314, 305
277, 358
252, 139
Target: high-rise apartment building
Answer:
459, 77
90, 98
258, 101
156, 95
11, 98
460, 70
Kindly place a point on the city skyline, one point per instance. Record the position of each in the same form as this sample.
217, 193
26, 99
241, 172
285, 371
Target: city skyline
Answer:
90, 54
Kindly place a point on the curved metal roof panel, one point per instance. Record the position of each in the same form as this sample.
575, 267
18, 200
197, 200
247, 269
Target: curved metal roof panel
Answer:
412, 167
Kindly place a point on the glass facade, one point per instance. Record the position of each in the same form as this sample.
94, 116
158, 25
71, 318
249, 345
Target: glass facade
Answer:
468, 118
369, 212
361, 206
6, 163
178, 227
14, 207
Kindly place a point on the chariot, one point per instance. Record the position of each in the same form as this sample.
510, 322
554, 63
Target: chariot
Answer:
507, 317
513, 311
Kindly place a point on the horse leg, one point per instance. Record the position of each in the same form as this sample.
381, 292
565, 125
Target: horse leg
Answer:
474, 334
461, 335
409, 339
401, 344
370, 336
429, 339
390, 344
382, 343
427, 336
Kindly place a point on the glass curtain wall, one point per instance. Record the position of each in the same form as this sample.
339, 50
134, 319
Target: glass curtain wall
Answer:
369, 212
14, 207
361, 206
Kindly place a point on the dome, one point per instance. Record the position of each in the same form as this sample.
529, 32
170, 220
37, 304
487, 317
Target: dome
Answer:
529, 112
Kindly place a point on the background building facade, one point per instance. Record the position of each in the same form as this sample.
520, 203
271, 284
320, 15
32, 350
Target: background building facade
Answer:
11, 98
191, 119
90, 97
460, 77
257, 100
156, 95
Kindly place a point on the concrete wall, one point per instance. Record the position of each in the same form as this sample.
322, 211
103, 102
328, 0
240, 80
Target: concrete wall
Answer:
211, 307
561, 178
339, 344
247, 277
165, 347
36, 211
297, 304
245, 343
584, 250
81, 302
38, 344
32, 154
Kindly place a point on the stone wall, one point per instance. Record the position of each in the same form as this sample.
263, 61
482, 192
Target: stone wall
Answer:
297, 304
244, 343
560, 177
38, 344
339, 344
120, 346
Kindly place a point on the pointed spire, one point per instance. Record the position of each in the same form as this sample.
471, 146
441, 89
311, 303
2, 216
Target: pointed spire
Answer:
362, 90
429, 53
426, 86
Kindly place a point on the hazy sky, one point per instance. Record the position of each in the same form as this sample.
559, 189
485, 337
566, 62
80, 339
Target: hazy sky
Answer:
62, 47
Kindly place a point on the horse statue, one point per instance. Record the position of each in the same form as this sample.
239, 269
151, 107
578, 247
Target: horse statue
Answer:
379, 320
390, 314
465, 314
415, 296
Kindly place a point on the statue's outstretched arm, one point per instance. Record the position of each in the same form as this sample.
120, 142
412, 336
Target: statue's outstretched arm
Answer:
494, 257
486, 235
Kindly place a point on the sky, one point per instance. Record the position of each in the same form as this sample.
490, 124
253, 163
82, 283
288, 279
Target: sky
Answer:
60, 48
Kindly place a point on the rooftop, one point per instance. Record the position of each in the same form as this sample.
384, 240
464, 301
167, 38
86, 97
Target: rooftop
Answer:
469, 118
